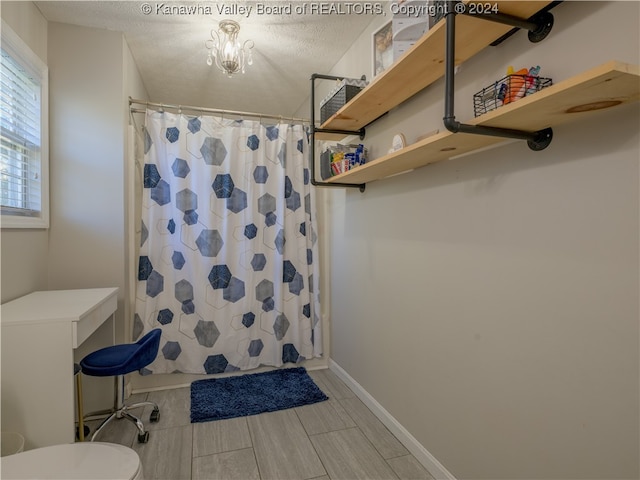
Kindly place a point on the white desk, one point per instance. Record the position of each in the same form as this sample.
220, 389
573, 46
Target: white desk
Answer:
39, 333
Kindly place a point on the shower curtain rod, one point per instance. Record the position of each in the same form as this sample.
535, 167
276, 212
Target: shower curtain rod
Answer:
180, 108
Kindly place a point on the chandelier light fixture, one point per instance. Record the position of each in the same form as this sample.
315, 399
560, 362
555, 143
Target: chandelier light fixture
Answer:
225, 49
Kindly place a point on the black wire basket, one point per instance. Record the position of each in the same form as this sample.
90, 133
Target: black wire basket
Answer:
339, 99
507, 90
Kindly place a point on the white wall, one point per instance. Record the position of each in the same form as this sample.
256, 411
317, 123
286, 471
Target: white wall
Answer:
24, 251
490, 303
86, 240
92, 73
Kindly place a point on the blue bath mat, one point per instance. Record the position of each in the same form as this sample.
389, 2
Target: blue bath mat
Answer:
230, 397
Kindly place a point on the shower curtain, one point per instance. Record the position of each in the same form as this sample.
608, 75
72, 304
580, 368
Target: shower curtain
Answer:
228, 263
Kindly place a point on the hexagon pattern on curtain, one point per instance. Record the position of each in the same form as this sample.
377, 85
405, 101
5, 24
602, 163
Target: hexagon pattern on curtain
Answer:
228, 256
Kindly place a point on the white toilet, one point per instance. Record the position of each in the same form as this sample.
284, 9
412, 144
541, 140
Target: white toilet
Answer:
74, 461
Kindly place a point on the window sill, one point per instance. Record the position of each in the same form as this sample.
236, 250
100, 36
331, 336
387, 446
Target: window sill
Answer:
13, 222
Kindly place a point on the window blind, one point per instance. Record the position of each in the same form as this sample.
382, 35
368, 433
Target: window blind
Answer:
20, 135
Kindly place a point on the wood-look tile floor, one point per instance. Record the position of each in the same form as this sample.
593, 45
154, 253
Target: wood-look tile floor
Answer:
339, 439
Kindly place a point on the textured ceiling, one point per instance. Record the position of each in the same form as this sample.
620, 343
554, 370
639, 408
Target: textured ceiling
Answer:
171, 57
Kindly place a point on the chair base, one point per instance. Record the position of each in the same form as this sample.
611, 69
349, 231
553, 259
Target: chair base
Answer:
123, 412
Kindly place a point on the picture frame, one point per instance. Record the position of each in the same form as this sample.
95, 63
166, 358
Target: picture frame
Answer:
382, 49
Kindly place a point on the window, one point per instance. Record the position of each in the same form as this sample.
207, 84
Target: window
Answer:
23, 135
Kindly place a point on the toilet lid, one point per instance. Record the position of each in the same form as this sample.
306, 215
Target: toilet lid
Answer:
74, 461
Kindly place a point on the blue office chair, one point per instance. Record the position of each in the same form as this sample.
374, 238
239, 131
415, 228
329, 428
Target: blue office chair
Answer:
118, 360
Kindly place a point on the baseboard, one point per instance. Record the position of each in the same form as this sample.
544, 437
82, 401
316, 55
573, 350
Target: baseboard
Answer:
428, 461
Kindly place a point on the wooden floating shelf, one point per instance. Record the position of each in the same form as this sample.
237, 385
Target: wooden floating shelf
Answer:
422, 65
614, 83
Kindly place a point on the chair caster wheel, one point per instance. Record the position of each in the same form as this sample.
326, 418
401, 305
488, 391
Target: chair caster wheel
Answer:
86, 431
155, 416
143, 437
